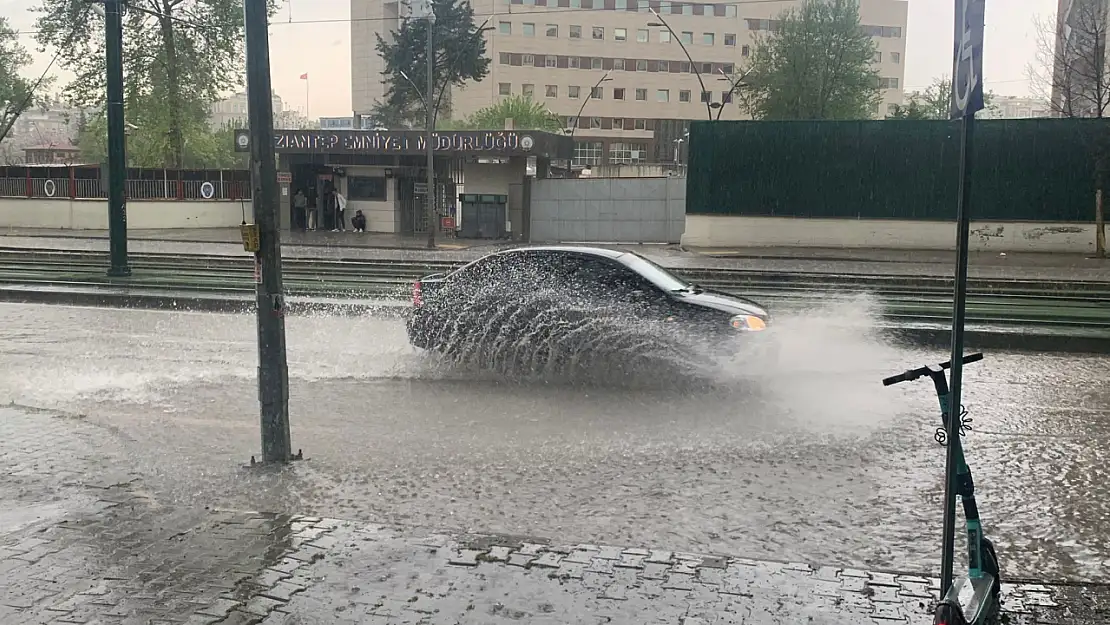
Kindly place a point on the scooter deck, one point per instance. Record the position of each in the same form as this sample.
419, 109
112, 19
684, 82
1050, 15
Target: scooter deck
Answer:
973, 595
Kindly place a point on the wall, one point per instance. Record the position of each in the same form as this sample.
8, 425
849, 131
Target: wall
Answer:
380, 216
141, 214
718, 231
608, 210
1038, 170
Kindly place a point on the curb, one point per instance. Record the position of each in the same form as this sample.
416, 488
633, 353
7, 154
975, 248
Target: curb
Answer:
975, 338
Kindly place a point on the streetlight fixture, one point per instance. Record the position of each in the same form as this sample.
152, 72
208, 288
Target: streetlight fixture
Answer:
693, 65
733, 87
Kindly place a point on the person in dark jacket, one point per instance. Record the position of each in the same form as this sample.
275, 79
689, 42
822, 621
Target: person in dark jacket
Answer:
358, 222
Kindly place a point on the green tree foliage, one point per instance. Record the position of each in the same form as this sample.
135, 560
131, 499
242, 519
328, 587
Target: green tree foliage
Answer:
204, 148
932, 103
14, 89
815, 64
178, 56
459, 55
526, 113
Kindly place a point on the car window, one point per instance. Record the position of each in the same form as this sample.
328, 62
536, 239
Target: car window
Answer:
505, 268
606, 277
658, 276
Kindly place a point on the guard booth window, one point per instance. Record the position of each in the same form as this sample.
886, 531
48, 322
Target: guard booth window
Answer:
370, 188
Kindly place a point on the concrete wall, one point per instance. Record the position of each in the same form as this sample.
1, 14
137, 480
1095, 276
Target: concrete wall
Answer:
609, 210
380, 216
732, 231
141, 214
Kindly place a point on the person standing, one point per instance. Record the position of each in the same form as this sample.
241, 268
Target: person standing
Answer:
340, 207
300, 209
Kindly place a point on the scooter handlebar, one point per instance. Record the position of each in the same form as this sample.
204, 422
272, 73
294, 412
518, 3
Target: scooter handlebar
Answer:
913, 374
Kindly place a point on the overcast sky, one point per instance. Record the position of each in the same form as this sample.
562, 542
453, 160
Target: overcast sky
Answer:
314, 36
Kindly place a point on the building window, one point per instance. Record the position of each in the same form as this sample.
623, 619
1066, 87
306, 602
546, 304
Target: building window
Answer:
707, 39
664, 36
598, 32
745, 51
663, 95
730, 10
504, 88
528, 60
596, 92
552, 30
620, 34
529, 30
618, 94
371, 188
595, 62
506, 28
618, 123
576, 4
706, 68
574, 62
626, 153
684, 95
877, 57
587, 153
727, 68
686, 36
641, 95
641, 124
572, 92
895, 57
726, 97
642, 6
888, 83
575, 32
706, 96
595, 123
528, 90
642, 35
641, 65
665, 7
504, 58
730, 39
618, 63
551, 60
551, 91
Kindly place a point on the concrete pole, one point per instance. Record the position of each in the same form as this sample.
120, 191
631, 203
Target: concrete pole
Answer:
429, 122
273, 371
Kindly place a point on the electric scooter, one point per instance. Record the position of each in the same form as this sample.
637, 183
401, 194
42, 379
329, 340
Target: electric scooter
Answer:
972, 599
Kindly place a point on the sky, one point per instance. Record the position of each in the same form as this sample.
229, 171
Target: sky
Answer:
314, 37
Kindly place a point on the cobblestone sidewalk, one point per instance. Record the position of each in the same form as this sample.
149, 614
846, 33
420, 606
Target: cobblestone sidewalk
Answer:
82, 541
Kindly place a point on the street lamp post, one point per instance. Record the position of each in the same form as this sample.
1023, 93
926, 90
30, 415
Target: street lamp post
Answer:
693, 65
733, 86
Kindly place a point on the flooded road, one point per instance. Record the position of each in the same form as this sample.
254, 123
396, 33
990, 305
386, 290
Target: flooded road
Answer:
810, 458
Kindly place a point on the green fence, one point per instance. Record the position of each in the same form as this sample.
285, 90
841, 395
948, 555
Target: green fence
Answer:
1025, 169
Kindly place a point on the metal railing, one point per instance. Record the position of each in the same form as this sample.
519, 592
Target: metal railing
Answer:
94, 188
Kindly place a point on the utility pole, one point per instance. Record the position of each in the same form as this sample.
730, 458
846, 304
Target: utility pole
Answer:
117, 158
430, 198
273, 371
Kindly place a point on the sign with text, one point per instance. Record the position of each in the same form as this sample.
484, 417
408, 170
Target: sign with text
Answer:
412, 142
967, 59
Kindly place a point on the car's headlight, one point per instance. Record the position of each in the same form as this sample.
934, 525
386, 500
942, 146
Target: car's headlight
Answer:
748, 323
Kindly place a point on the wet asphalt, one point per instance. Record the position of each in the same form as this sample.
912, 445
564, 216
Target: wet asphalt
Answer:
809, 459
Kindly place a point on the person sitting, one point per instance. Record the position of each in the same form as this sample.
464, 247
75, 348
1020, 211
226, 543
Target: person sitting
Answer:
358, 222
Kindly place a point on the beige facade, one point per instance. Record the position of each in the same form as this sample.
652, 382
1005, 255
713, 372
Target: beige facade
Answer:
556, 52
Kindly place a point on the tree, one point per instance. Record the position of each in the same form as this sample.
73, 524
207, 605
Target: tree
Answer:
1070, 66
526, 113
932, 103
459, 55
147, 144
15, 91
816, 63
1070, 71
178, 56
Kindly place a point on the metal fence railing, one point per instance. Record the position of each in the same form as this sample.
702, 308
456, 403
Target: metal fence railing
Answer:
147, 189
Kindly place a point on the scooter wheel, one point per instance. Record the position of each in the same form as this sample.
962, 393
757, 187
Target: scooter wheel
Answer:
948, 614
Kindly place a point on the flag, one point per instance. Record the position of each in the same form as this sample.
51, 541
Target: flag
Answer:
304, 76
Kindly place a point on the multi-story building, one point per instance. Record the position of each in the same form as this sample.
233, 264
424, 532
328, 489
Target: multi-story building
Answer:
614, 61
1013, 107
233, 111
